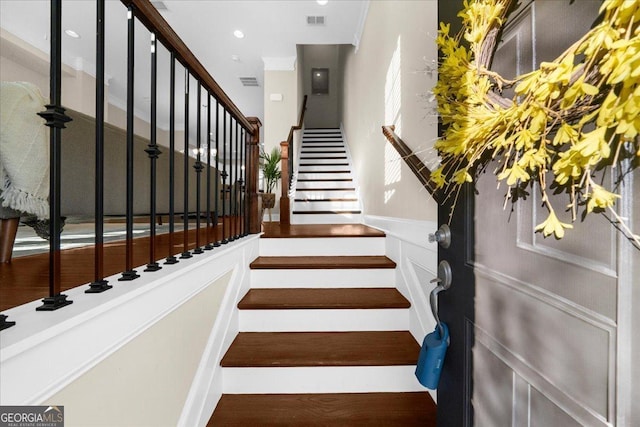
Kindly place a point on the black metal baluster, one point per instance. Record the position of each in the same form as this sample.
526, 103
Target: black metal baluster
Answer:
99, 284
129, 273
171, 259
56, 118
153, 151
245, 217
217, 217
232, 180
209, 244
224, 177
185, 213
241, 188
236, 187
198, 168
4, 324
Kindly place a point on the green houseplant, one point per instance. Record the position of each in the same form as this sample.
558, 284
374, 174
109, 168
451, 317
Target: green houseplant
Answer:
270, 163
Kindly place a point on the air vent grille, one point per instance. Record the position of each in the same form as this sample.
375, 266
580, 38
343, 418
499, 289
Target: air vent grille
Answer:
315, 20
249, 81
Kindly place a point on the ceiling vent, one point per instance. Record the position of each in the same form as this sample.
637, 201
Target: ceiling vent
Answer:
249, 81
315, 20
159, 5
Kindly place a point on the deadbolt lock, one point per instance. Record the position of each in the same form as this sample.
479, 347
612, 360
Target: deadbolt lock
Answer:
442, 236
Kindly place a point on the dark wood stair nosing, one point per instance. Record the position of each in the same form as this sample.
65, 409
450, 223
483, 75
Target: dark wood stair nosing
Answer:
321, 349
323, 299
321, 262
345, 409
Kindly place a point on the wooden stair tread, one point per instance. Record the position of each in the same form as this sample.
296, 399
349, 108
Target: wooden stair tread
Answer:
319, 230
317, 349
332, 298
339, 409
321, 262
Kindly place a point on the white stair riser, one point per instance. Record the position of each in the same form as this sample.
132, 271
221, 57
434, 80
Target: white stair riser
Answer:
324, 184
320, 167
324, 320
337, 145
323, 136
326, 206
321, 130
326, 219
324, 176
315, 278
339, 379
327, 194
308, 157
323, 246
315, 162
313, 150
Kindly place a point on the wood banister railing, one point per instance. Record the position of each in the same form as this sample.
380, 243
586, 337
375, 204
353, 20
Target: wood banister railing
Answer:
230, 207
290, 137
151, 18
419, 169
288, 154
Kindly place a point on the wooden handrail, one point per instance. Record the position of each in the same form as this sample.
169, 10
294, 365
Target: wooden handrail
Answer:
419, 169
287, 153
146, 13
290, 138
300, 121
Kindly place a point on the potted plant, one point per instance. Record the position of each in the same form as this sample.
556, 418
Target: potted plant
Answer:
272, 174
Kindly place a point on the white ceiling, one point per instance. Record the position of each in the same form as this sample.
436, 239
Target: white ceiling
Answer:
272, 29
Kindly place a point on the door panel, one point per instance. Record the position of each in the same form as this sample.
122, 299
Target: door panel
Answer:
549, 336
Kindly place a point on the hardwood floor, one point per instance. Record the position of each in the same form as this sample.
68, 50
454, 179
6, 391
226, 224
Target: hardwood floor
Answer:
26, 278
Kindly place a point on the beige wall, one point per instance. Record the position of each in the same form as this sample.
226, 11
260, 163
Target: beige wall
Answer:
146, 382
397, 37
279, 116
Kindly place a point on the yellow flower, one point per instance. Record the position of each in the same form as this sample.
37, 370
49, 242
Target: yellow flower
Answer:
438, 178
513, 174
462, 176
600, 198
577, 90
566, 133
533, 159
553, 225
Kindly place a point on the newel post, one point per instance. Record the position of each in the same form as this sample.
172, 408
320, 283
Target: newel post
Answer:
253, 153
285, 212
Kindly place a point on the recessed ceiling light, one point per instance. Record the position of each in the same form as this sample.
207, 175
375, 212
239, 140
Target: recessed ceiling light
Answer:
235, 58
239, 34
72, 33
322, 2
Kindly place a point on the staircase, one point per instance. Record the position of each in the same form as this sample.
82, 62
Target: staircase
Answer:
324, 336
325, 191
